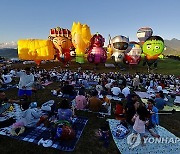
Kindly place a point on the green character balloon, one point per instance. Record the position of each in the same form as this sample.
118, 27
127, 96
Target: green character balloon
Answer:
152, 49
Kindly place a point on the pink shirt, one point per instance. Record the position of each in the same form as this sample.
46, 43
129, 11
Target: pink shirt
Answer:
81, 102
139, 125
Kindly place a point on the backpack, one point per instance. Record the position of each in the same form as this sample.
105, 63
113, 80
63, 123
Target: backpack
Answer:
64, 131
120, 131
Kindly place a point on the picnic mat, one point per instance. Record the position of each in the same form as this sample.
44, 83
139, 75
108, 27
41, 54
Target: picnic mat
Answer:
35, 134
151, 148
9, 87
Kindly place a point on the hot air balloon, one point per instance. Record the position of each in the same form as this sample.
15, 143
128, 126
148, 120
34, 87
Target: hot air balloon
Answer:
133, 54
152, 49
81, 36
61, 39
109, 49
37, 50
96, 53
119, 45
144, 33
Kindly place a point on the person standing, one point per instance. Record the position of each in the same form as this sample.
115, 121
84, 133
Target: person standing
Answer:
25, 83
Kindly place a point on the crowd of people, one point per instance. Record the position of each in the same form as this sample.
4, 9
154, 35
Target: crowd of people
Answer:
90, 90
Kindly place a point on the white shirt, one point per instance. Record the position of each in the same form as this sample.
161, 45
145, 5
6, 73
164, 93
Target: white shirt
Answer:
25, 80
116, 91
108, 85
159, 88
126, 91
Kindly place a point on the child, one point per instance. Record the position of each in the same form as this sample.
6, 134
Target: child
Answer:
139, 120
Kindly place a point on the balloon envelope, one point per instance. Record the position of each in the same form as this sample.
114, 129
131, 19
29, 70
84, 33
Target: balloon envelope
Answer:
81, 36
119, 45
96, 53
144, 33
133, 54
35, 49
153, 47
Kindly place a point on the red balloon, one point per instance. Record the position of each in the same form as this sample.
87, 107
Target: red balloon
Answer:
133, 54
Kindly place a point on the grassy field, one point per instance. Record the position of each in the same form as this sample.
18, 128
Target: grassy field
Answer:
88, 143
165, 66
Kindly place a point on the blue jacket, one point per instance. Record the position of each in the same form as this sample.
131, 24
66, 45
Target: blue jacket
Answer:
155, 117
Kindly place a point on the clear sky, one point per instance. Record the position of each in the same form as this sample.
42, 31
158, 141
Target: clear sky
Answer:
22, 19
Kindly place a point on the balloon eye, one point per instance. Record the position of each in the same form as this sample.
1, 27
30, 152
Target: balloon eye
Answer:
157, 47
148, 46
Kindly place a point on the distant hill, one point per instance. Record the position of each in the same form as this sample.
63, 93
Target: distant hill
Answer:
172, 47
9, 53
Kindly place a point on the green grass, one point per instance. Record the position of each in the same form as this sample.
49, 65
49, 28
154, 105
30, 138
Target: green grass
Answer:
88, 143
165, 66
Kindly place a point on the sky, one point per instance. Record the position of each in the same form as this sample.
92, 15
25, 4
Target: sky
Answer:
24, 19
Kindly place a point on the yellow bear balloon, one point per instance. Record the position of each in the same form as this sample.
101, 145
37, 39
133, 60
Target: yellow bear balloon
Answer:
36, 50
81, 36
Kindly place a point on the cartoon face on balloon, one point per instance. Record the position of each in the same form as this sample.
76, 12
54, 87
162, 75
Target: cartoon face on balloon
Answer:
63, 45
81, 36
119, 45
153, 47
133, 53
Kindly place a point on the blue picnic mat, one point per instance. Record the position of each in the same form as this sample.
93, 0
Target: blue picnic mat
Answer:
35, 134
150, 148
9, 87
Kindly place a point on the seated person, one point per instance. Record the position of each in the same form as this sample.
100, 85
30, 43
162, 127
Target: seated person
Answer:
99, 88
131, 111
130, 100
171, 99
115, 90
105, 99
95, 103
68, 90
81, 101
153, 119
31, 116
160, 102
106, 102
64, 111
159, 88
125, 91
5, 102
